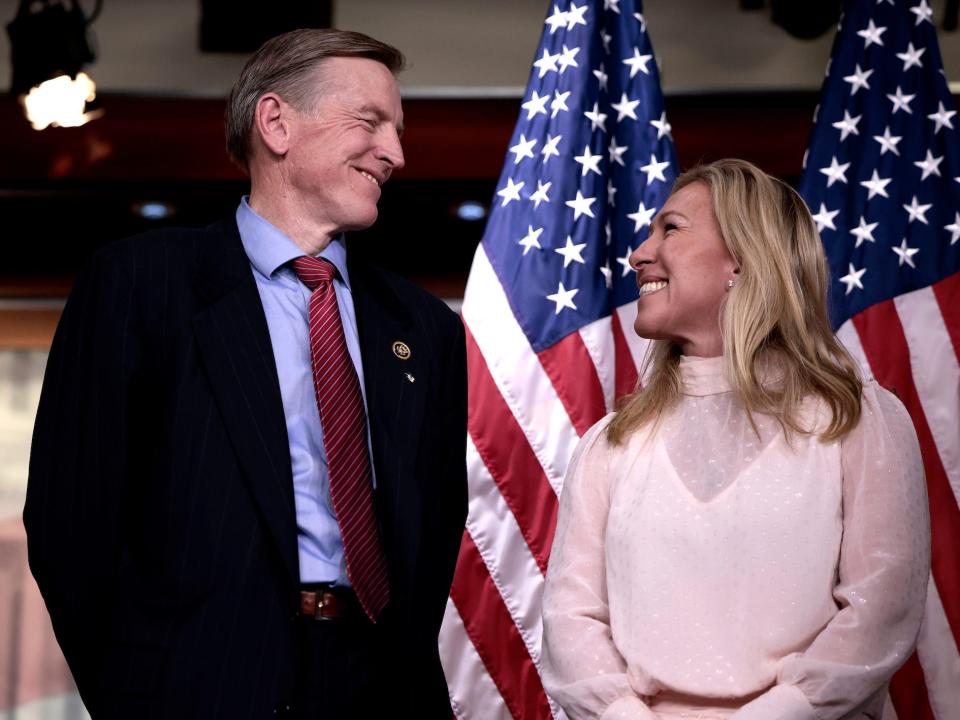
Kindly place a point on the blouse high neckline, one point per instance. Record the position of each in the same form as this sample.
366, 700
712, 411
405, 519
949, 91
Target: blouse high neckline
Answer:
703, 375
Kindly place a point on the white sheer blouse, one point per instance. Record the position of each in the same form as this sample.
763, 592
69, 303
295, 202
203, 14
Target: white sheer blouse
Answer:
701, 571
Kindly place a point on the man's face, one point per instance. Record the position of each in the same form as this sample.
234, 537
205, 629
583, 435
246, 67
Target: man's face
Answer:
344, 148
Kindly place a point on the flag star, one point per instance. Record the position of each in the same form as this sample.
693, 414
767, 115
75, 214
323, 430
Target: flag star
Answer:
954, 228
852, 279
547, 63
655, 169
536, 104
550, 147
523, 149
557, 20
563, 298
605, 38
581, 206
510, 192
888, 142
901, 101
906, 254
638, 63
625, 108
570, 252
858, 80
876, 185
609, 232
871, 35
625, 262
566, 58
942, 118
531, 240
662, 126
824, 218
923, 12
575, 15
559, 102
541, 194
601, 76
611, 193
930, 165
590, 162
886, 1
917, 211
864, 232
607, 274
597, 119
616, 152
613, 5
847, 125
835, 172
642, 217
643, 23
911, 57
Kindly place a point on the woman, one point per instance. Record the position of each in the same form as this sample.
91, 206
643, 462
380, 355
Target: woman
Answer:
747, 538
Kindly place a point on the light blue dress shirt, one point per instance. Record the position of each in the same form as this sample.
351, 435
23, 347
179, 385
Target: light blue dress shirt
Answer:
285, 301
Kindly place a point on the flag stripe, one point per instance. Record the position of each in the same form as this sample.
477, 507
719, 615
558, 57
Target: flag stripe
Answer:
936, 375
507, 455
598, 340
500, 543
624, 366
939, 657
884, 343
520, 378
570, 368
473, 694
637, 345
909, 693
495, 637
947, 292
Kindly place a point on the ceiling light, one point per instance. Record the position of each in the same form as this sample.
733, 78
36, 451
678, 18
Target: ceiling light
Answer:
49, 46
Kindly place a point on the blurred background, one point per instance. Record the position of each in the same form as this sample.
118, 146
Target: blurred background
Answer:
741, 78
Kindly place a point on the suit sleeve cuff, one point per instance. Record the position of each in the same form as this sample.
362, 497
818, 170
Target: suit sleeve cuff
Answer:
629, 707
781, 702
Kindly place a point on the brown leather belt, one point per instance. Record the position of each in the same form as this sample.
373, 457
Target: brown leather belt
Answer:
333, 603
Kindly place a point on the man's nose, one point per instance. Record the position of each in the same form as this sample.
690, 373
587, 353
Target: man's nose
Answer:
392, 151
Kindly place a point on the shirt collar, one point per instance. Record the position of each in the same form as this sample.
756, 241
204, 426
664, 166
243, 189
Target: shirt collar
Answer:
270, 249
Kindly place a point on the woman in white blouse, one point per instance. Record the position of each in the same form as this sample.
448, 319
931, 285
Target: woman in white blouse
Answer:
748, 537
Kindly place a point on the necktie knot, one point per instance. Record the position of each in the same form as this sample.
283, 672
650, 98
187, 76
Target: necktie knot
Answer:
314, 271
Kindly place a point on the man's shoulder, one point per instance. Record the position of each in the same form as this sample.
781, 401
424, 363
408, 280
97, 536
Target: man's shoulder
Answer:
171, 247
415, 300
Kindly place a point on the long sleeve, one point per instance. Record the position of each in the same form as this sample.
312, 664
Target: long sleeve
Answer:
883, 572
78, 466
582, 669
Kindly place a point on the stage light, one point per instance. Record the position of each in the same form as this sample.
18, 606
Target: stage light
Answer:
471, 211
49, 46
154, 210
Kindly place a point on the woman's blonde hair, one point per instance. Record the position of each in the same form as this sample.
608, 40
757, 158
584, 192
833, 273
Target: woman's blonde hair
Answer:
776, 314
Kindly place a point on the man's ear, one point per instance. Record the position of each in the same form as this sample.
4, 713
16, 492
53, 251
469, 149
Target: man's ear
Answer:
271, 121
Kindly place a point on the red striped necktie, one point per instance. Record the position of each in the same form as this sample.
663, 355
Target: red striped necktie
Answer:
344, 426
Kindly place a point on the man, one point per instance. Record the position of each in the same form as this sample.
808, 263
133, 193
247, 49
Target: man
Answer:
247, 484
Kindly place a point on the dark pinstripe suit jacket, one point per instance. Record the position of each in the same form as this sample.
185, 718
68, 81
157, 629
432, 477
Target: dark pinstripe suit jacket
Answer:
160, 515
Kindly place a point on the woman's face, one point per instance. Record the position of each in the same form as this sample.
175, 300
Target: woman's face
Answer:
682, 272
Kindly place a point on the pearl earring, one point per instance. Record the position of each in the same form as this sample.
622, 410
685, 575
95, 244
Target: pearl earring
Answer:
730, 284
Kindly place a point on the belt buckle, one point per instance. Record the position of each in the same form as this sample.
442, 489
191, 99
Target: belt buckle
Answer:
321, 604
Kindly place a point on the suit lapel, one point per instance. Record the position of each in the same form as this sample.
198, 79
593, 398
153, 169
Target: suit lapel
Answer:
235, 348
396, 390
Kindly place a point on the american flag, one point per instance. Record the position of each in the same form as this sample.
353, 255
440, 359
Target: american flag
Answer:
882, 176
549, 311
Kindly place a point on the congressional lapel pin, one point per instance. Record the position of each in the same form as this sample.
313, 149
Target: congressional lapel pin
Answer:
401, 350
410, 377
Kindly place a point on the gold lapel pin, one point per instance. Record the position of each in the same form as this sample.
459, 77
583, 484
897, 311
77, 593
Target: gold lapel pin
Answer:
401, 350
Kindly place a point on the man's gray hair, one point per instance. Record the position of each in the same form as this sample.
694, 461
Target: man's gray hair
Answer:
285, 65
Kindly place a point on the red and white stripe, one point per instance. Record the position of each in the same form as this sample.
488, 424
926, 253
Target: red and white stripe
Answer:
527, 411
911, 344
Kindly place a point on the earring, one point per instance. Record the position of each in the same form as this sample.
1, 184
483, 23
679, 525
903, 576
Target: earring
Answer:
730, 284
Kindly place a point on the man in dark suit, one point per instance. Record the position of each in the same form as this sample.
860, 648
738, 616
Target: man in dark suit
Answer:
247, 484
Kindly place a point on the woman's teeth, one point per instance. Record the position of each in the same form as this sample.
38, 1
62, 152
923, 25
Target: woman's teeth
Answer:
652, 287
